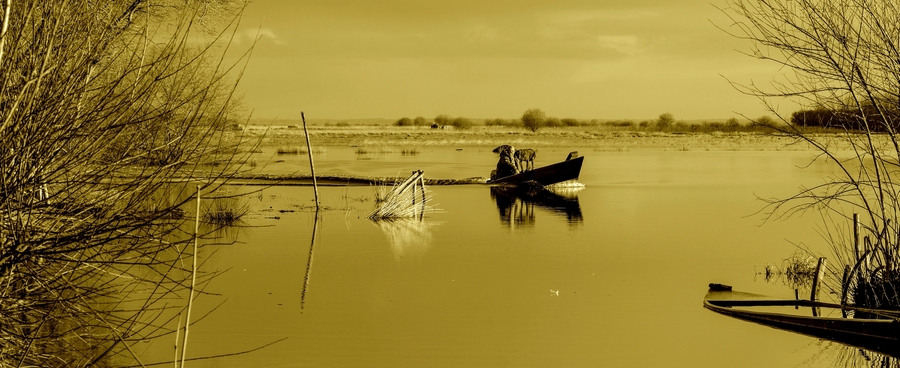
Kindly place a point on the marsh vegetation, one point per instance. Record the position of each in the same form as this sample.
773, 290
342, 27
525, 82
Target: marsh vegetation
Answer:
104, 107
841, 58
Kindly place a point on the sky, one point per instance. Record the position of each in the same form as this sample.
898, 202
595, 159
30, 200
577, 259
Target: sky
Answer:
583, 59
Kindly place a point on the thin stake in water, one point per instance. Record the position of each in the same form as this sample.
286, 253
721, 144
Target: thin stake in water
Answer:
312, 167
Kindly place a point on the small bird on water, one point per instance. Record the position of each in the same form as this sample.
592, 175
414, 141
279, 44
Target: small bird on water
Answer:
554, 292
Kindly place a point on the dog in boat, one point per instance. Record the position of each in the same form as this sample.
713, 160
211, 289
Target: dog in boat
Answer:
525, 159
506, 166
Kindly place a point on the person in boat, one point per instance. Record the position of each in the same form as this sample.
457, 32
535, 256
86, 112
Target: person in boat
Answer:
506, 166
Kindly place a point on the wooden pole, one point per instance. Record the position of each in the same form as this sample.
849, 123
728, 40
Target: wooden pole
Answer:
796, 297
813, 293
856, 235
177, 335
888, 254
815, 284
312, 167
187, 320
845, 284
415, 185
422, 181
867, 246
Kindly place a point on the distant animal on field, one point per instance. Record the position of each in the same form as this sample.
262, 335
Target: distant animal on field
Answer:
525, 159
506, 166
435, 126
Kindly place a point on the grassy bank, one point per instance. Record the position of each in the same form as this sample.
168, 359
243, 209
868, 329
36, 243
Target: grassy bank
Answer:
601, 138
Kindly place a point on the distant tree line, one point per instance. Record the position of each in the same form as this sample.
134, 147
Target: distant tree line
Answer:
849, 119
418, 121
535, 119
440, 121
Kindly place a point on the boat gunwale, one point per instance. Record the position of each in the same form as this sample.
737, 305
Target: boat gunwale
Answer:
728, 303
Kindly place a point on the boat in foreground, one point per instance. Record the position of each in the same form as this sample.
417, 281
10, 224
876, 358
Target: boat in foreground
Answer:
878, 331
546, 175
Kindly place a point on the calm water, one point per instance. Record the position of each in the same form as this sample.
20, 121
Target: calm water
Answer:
613, 275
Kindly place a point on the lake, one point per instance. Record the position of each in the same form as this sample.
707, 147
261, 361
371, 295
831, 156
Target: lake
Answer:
611, 275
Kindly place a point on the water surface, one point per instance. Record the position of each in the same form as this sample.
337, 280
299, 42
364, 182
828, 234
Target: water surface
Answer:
612, 275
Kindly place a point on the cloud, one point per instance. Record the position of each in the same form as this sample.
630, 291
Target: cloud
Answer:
261, 35
592, 15
594, 58
624, 44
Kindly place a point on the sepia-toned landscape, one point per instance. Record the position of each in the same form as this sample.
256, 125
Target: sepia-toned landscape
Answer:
229, 183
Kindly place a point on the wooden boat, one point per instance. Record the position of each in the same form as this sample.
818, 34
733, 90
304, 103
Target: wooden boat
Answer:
546, 175
878, 331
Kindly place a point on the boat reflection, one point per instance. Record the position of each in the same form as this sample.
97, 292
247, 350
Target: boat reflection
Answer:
516, 204
836, 354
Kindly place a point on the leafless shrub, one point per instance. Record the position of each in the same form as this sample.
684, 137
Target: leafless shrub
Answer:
839, 57
104, 107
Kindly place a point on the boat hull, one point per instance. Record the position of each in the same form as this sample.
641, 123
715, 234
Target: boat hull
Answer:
880, 335
550, 174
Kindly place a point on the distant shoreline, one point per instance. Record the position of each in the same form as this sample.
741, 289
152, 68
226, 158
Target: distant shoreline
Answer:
598, 138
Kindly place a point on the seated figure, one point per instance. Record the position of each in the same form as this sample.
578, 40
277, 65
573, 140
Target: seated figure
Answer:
506, 166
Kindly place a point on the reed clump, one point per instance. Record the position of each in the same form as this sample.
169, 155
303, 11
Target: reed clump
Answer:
871, 275
797, 270
228, 211
297, 150
294, 150
406, 199
374, 150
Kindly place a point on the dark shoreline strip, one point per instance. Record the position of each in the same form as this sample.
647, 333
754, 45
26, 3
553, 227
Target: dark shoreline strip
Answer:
337, 180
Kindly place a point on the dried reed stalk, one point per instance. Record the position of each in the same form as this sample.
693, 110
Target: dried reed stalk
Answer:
408, 199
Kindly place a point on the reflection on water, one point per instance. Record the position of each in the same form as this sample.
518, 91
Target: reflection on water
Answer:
408, 237
843, 356
215, 234
516, 204
309, 261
